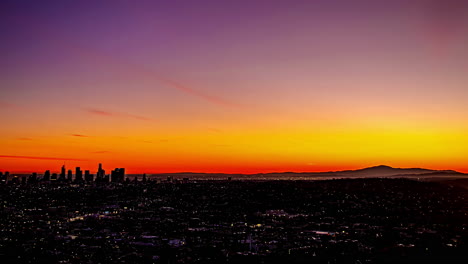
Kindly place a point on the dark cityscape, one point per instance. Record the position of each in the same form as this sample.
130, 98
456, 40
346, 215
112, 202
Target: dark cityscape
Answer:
110, 218
237, 132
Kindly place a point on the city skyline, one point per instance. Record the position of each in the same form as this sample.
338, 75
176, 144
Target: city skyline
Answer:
79, 175
369, 172
244, 87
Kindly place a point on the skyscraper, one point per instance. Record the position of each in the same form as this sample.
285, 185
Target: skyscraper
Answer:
78, 174
100, 173
46, 175
62, 174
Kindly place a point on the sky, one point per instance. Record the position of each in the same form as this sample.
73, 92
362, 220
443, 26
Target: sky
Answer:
233, 86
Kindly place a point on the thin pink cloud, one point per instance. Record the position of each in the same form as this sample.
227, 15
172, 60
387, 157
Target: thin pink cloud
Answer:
100, 112
79, 135
116, 114
181, 87
101, 152
24, 138
141, 70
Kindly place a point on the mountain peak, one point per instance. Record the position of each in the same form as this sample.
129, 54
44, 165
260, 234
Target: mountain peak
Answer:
381, 167
384, 170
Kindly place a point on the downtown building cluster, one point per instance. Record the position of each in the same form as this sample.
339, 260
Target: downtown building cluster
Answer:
78, 176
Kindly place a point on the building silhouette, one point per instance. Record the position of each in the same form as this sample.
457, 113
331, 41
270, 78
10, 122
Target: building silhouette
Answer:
46, 175
78, 174
100, 173
32, 178
88, 176
118, 175
62, 174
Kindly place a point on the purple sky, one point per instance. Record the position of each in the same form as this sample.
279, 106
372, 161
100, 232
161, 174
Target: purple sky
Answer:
239, 66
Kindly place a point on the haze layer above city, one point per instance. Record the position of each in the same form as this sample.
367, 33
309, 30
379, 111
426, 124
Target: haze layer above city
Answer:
233, 86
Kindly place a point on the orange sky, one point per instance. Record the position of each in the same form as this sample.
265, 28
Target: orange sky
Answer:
234, 88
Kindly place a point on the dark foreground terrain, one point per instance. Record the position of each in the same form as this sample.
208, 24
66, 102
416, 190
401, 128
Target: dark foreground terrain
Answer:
333, 221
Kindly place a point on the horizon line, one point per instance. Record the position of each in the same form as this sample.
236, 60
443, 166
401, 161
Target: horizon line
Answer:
257, 173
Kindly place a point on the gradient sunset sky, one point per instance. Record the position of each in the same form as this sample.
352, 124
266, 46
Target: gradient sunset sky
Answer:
233, 86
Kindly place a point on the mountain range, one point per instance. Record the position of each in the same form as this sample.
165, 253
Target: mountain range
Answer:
376, 171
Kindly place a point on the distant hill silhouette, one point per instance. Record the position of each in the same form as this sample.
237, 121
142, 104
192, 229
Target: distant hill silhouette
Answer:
383, 171
376, 171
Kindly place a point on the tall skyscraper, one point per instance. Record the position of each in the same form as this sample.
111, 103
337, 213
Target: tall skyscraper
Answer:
46, 175
78, 174
100, 173
62, 174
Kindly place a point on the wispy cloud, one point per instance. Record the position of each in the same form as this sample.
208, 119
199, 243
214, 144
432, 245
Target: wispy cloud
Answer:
79, 135
101, 152
39, 158
138, 69
138, 117
101, 112
188, 90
